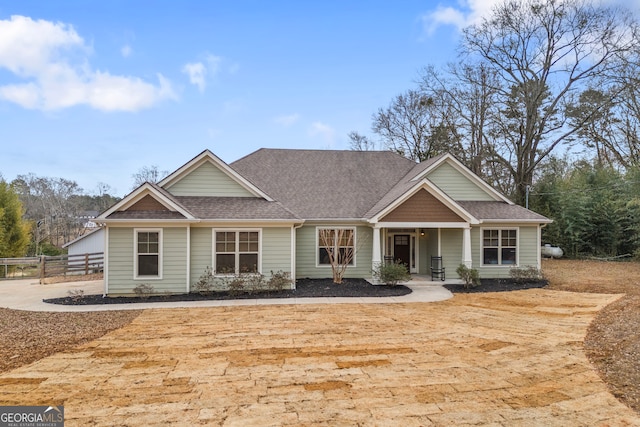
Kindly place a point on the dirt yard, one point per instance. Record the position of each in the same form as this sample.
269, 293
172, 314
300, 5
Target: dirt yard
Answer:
510, 358
613, 339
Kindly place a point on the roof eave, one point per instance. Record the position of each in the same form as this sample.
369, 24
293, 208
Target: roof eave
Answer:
515, 220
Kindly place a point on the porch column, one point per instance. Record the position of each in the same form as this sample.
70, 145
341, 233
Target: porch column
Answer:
466, 246
376, 256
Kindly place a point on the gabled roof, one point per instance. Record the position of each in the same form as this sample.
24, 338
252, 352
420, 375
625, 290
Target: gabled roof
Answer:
325, 184
299, 185
432, 189
402, 186
423, 169
121, 210
208, 156
84, 236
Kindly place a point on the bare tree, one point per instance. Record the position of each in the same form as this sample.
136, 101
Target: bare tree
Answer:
148, 174
544, 51
413, 126
338, 244
467, 94
359, 142
53, 205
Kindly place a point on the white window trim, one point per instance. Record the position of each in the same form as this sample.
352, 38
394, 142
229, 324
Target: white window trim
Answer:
135, 253
237, 231
317, 248
500, 265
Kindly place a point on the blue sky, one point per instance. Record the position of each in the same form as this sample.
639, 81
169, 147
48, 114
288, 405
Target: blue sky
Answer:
94, 91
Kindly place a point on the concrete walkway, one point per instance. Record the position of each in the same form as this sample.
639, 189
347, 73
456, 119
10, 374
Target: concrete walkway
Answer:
28, 295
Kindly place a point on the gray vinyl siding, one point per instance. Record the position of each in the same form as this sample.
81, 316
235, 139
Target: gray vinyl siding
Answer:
456, 185
208, 180
527, 251
201, 255
451, 250
276, 250
121, 262
306, 250
428, 247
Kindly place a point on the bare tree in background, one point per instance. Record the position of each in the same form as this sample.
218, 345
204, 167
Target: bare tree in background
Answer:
148, 174
414, 126
543, 52
358, 142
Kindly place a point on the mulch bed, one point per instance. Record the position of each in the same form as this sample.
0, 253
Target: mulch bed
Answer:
27, 336
498, 285
305, 288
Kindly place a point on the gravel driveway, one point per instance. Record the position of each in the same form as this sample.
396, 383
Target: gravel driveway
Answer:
512, 358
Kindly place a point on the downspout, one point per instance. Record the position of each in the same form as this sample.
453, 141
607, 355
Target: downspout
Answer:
539, 256
105, 266
188, 258
293, 252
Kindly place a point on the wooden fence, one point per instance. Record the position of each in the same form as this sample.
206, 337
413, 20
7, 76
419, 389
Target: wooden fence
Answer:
51, 266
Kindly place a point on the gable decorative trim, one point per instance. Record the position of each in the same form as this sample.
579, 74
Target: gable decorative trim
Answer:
208, 156
445, 201
151, 199
455, 163
422, 207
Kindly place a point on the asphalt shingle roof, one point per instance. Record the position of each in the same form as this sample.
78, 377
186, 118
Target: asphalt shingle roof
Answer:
131, 214
500, 211
321, 184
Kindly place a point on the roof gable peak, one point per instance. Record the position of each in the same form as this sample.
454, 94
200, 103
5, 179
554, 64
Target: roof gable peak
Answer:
147, 189
462, 169
207, 156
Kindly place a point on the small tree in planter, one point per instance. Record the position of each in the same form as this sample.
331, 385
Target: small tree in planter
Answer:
340, 249
392, 274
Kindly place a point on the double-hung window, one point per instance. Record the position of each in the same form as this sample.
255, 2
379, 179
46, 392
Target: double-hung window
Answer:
148, 253
338, 243
237, 252
499, 246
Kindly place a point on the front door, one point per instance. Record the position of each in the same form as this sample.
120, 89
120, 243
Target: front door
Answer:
402, 249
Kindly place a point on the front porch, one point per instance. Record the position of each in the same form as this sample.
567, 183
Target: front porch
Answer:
415, 244
422, 280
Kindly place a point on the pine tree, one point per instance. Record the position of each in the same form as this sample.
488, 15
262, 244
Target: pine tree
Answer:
14, 232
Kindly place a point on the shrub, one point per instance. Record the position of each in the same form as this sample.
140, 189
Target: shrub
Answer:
235, 285
143, 290
253, 282
525, 274
470, 276
279, 281
205, 284
392, 273
76, 295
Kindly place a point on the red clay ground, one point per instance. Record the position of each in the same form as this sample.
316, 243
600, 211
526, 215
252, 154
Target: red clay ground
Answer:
613, 339
514, 358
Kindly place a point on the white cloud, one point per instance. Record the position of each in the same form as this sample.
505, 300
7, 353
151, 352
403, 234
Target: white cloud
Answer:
324, 131
196, 72
287, 120
200, 72
126, 51
465, 13
52, 59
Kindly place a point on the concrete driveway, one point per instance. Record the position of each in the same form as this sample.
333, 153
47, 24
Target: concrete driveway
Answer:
28, 294
504, 359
